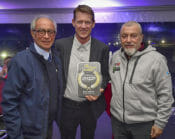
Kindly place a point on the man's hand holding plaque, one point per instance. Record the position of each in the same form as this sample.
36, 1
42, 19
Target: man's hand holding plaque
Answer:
93, 98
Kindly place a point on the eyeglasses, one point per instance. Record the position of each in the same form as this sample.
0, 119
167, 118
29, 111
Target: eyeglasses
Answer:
43, 32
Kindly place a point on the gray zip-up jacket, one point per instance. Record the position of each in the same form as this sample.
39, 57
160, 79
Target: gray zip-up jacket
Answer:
141, 87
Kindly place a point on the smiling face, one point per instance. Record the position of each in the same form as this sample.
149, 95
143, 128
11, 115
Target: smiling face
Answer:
44, 33
131, 38
83, 25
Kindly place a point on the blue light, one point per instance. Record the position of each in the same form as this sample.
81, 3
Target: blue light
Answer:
1, 7
100, 3
154, 29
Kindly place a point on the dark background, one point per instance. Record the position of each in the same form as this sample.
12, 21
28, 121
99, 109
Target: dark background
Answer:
16, 37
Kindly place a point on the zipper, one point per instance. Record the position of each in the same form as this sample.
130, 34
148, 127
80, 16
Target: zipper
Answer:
130, 81
133, 71
124, 92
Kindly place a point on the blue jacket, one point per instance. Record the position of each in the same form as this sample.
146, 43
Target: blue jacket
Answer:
26, 95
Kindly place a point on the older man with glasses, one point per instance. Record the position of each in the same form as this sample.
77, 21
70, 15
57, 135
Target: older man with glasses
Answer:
33, 90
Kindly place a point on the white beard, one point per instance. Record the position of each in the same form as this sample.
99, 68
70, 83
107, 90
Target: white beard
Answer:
130, 51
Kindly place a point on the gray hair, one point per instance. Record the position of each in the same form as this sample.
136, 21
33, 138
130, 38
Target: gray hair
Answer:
33, 23
131, 23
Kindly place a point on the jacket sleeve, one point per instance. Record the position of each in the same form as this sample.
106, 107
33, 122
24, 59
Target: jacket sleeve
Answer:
163, 88
11, 100
105, 67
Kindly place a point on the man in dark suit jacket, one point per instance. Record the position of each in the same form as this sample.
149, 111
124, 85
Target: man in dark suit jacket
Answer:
81, 48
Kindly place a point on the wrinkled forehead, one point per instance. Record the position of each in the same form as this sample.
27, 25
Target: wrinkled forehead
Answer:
130, 29
44, 23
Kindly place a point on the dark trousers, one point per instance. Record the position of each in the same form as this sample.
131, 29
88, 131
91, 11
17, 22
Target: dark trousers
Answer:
2, 125
49, 131
73, 114
131, 131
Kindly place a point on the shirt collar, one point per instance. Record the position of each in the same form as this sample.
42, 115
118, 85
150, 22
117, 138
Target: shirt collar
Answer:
42, 52
79, 46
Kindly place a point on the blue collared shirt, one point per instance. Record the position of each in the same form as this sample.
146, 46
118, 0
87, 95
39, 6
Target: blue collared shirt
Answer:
42, 52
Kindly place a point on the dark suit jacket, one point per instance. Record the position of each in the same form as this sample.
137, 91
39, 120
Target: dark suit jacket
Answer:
99, 52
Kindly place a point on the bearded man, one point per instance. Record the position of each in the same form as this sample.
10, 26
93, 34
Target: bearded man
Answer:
141, 87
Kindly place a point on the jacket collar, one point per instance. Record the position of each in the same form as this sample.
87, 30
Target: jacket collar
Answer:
33, 50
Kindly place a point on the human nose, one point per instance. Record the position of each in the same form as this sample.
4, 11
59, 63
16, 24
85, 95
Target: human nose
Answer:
83, 24
128, 39
46, 35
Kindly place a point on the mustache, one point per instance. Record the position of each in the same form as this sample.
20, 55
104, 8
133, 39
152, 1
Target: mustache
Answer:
128, 44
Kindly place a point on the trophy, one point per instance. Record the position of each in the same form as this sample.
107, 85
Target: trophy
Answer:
89, 78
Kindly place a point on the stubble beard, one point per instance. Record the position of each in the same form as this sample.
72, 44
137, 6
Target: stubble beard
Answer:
130, 51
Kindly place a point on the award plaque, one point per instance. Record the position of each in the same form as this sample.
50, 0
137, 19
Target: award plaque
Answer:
89, 78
